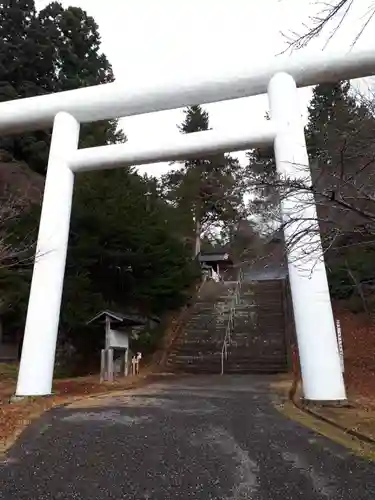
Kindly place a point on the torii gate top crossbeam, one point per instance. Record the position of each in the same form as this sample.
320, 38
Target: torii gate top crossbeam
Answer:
118, 99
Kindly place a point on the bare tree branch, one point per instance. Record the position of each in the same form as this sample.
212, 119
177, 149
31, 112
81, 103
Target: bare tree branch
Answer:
14, 249
330, 14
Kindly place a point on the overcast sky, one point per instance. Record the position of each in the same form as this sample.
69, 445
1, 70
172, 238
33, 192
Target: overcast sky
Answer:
144, 39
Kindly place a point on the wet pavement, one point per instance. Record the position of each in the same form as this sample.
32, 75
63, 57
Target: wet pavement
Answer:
205, 438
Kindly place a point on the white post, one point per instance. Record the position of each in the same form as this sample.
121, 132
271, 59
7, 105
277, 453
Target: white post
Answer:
107, 332
315, 327
110, 365
39, 344
339, 343
103, 362
126, 362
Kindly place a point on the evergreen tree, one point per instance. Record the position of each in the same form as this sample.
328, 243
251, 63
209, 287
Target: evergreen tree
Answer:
206, 191
23, 70
333, 114
123, 239
78, 62
122, 250
265, 186
54, 50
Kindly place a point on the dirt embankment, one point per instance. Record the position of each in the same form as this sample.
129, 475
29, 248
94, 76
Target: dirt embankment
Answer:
358, 332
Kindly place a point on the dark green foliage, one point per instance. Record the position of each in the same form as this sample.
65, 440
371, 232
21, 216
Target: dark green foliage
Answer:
339, 125
207, 192
196, 120
123, 252
134, 258
351, 275
263, 182
54, 50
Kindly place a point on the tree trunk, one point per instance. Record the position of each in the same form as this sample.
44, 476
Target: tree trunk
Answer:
197, 246
359, 288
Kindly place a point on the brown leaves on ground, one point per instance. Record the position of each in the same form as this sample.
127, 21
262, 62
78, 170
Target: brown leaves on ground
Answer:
14, 417
358, 332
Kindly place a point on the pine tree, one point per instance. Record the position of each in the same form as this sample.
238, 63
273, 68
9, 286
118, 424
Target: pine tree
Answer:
263, 184
54, 50
206, 191
23, 70
120, 234
122, 250
78, 62
332, 113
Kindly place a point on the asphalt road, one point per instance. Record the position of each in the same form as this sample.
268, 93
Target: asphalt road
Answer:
203, 438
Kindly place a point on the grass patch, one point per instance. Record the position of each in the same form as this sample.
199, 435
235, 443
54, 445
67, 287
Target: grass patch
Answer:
8, 370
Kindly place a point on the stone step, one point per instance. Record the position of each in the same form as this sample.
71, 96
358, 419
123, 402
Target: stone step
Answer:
250, 328
276, 363
258, 337
250, 322
255, 348
199, 351
179, 358
257, 332
245, 353
207, 357
244, 362
208, 320
266, 369
199, 343
253, 353
200, 339
208, 364
192, 328
265, 333
228, 368
204, 332
205, 337
258, 310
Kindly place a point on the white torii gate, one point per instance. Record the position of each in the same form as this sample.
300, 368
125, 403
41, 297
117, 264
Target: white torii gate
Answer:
280, 77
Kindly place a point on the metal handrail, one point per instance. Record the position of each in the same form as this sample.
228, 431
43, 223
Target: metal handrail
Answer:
230, 324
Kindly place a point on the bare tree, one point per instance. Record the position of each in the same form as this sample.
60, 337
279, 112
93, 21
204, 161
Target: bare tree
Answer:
20, 198
343, 194
331, 15
15, 249
340, 181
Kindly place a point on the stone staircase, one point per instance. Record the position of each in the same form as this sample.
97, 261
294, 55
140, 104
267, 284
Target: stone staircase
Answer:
198, 348
258, 340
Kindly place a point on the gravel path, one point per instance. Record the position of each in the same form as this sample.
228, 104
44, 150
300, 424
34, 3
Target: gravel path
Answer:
205, 438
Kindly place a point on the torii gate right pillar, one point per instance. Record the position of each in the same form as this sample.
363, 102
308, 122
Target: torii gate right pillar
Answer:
322, 378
